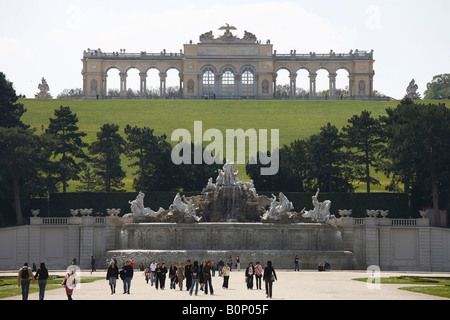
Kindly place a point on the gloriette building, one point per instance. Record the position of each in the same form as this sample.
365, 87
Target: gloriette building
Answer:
228, 67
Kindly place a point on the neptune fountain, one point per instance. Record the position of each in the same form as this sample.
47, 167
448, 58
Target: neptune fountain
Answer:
229, 217
228, 200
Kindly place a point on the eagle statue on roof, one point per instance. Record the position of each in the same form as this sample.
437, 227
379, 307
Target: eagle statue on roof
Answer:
227, 29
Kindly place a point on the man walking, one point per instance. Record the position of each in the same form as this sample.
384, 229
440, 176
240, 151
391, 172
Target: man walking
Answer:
152, 268
127, 277
25, 276
207, 278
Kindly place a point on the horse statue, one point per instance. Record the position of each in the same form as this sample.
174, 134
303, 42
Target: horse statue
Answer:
278, 208
138, 209
321, 211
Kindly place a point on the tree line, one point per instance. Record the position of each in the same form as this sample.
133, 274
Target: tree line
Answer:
410, 145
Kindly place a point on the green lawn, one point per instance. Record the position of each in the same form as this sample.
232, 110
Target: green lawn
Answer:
294, 119
9, 288
435, 286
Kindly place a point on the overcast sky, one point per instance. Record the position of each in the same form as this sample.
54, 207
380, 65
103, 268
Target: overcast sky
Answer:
410, 39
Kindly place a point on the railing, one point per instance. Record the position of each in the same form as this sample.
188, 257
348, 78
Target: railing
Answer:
99, 220
387, 222
65, 221
54, 221
96, 54
357, 55
403, 222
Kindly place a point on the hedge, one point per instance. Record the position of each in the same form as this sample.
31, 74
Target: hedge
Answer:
396, 203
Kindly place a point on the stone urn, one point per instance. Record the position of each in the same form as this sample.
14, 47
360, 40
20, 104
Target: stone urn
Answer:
74, 212
35, 212
113, 212
345, 213
372, 213
423, 213
384, 213
86, 212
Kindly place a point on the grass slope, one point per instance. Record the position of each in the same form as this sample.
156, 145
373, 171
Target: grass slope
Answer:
294, 119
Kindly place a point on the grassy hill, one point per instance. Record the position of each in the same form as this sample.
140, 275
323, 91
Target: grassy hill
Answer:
294, 119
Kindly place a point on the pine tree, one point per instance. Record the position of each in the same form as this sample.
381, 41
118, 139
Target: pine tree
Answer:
106, 152
68, 145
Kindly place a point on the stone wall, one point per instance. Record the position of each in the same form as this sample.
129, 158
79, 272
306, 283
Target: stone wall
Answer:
353, 243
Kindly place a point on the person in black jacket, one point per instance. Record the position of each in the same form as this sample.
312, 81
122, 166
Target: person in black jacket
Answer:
112, 274
127, 272
249, 272
188, 274
162, 276
269, 277
42, 276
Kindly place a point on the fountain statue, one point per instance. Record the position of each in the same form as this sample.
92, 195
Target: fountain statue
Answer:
321, 211
182, 209
230, 200
278, 210
216, 223
138, 209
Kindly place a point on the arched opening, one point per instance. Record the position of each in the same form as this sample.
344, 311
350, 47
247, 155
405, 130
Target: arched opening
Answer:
173, 84
342, 84
152, 84
248, 83
282, 88
302, 84
133, 84
112, 87
322, 84
228, 82
208, 83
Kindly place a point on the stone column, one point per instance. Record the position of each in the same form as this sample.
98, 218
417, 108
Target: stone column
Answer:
237, 85
371, 84
104, 85
217, 85
162, 84
351, 78
292, 84
123, 84
312, 86
143, 87
275, 84
256, 85
181, 84
199, 85
332, 77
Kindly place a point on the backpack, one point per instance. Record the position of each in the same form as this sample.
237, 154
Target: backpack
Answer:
24, 273
195, 273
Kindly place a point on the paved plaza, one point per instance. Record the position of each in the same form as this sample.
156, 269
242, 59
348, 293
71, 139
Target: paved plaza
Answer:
303, 285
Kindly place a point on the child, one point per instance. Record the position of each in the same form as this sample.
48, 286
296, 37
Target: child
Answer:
226, 275
146, 275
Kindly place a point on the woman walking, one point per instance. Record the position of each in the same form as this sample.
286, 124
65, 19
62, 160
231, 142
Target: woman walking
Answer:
172, 276
249, 272
258, 275
69, 283
180, 276
42, 276
269, 277
111, 275
226, 275
195, 278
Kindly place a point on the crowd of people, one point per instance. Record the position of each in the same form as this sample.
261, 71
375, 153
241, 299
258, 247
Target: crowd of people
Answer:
192, 277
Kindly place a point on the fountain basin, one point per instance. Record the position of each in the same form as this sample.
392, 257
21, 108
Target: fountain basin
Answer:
281, 259
177, 242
